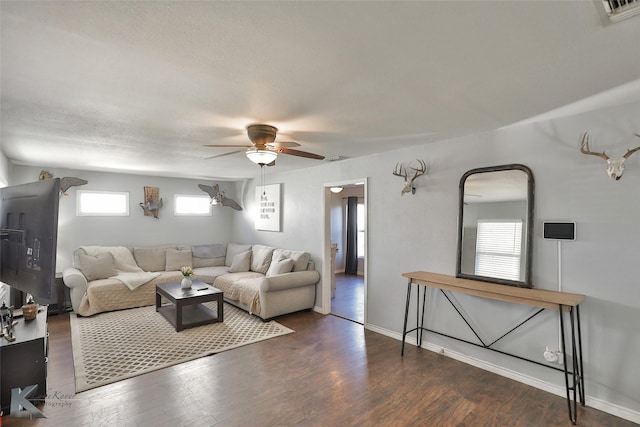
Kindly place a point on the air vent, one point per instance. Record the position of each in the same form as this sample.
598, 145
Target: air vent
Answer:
618, 10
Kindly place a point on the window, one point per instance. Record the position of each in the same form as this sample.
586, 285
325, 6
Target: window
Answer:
191, 205
360, 230
618, 10
102, 203
498, 249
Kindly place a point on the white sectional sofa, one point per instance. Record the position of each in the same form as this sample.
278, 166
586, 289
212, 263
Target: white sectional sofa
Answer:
262, 280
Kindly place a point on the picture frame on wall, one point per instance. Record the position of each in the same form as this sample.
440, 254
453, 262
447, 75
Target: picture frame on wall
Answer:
269, 207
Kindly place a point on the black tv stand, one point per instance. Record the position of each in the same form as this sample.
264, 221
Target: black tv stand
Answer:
24, 361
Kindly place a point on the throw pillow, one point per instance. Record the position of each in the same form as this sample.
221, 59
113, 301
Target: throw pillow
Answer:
241, 262
97, 267
151, 258
300, 259
261, 258
176, 259
232, 250
282, 266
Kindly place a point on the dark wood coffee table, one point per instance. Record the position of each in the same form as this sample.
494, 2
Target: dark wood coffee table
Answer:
185, 308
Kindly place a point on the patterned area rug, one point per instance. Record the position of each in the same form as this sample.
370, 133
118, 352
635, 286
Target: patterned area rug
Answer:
110, 347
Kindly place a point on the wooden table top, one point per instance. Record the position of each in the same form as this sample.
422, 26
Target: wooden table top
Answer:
534, 297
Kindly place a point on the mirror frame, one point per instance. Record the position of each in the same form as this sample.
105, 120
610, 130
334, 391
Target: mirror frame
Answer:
529, 231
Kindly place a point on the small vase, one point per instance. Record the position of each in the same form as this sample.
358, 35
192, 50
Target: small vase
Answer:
186, 283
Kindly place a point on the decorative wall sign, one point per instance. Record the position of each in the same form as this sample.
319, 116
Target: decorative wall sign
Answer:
268, 201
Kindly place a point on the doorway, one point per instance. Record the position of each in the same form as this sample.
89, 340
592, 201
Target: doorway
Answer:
346, 238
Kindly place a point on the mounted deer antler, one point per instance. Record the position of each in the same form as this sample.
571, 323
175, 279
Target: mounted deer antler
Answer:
401, 171
615, 167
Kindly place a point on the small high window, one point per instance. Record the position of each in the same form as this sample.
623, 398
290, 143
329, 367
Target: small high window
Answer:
102, 203
192, 205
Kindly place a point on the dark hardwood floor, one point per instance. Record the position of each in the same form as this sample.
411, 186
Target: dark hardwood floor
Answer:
330, 372
349, 299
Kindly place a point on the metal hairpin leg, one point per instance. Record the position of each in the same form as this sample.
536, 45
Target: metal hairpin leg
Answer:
424, 298
577, 385
406, 315
581, 379
419, 316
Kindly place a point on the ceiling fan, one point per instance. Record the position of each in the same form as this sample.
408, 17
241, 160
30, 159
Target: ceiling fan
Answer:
265, 150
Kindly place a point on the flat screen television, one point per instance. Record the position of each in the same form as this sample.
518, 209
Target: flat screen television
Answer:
28, 237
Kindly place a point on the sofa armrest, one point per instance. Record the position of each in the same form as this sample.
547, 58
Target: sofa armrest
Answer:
289, 280
77, 283
73, 278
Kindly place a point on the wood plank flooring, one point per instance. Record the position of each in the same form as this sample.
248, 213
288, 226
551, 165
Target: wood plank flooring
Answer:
330, 372
349, 299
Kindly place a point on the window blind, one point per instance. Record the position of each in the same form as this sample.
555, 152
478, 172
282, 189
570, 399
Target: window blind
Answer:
498, 249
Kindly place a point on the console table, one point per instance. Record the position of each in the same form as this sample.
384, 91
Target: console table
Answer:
566, 304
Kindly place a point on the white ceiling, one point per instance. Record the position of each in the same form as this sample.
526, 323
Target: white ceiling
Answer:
141, 86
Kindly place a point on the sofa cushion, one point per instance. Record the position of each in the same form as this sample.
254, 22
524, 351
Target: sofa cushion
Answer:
300, 259
281, 266
261, 258
151, 258
209, 274
208, 255
232, 250
176, 259
241, 262
97, 267
208, 262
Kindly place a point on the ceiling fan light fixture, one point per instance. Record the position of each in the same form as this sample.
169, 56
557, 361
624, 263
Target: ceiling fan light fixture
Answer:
261, 157
335, 189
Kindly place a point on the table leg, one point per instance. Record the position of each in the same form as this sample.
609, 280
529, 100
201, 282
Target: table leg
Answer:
572, 412
424, 299
158, 300
178, 316
220, 309
577, 374
406, 314
581, 378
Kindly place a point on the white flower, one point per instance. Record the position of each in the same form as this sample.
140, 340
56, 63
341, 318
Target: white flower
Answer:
187, 271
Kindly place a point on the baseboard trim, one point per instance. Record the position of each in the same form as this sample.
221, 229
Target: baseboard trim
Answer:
593, 402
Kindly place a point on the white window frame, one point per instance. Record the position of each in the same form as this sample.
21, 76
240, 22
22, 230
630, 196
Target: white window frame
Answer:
176, 205
80, 194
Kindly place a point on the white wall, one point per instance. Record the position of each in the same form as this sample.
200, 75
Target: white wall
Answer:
135, 229
5, 170
419, 232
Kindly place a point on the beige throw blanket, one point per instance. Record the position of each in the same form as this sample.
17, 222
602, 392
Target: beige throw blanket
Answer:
125, 265
243, 287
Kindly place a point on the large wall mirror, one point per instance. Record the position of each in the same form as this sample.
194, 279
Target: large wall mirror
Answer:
496, 225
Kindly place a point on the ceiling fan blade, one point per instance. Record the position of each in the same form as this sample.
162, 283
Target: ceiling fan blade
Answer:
227, 145
299, 153
280, 144
225, 154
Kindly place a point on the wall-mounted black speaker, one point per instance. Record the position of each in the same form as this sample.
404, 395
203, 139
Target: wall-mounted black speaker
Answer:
559, 230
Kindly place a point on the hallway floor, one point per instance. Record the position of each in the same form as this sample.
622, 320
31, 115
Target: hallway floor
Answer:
349, 300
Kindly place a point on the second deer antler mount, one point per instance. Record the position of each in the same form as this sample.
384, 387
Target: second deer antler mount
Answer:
403, 172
